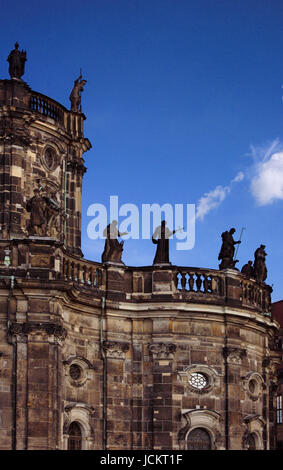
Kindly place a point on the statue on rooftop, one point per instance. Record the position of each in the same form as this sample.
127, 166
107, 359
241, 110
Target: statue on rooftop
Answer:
75, 96
113, 248
17, 61
227, 250
248, 269
260, 270
162, 234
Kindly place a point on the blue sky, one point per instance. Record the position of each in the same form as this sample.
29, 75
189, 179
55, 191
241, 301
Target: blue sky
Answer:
181, 97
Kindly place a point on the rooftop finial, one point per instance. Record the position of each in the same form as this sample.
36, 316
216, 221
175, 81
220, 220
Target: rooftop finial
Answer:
17, 61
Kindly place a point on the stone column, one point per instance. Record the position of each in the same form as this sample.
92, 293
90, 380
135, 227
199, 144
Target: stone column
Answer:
162, 419
118, 413
233, 416
38, 378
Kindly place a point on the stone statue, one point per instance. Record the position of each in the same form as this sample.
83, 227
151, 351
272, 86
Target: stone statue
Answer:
113, 248
45, 214
37, 207
260, 270
53, 212
227, 250
248, 269
17, 61
162, 233
75, 96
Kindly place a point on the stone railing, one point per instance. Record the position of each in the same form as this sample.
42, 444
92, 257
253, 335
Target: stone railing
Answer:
71, 122
87, 273
200, 281
228, 284
255, 294
228, 287
42, 104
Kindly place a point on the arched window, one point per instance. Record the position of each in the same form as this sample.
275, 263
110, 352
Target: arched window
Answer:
75, 437
198, 439
251, 442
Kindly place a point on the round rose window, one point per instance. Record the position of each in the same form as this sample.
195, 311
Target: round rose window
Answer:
50, 158
198, 381
75, 371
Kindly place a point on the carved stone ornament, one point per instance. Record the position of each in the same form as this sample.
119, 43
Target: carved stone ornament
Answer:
199, 378
162, 350
15, 138
252, 438
253, 385
207, 419
78, 370
50, 158
46, 331
76, 167
234, 355
115, 349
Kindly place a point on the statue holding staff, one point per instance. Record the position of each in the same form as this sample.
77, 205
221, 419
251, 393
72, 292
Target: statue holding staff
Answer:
227, 251
75, 96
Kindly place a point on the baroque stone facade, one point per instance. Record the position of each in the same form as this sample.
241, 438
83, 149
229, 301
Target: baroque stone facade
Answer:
106, 356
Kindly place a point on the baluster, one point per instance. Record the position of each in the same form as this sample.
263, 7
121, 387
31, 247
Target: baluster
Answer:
67, 269
83, 279
191, 281
209, 284
72, 273
183, 281
176, 280
263, 301
99, 277
205, 283
95, 280
64, 268
244, 291
77, 272
89, 278
198, 282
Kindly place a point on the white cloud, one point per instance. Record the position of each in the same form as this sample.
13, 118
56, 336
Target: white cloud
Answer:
215, 197
267, 182
239, 177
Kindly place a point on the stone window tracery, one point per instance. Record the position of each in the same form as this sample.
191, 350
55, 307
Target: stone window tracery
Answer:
198, 380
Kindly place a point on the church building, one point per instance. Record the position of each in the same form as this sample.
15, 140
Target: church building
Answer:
100, 355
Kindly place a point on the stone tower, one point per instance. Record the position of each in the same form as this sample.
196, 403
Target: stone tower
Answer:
103, 355
42, 146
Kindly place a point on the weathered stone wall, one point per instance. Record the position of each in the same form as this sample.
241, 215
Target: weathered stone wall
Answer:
117, 350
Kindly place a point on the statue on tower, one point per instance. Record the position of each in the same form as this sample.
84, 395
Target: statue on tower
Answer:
227, 251
75, 96
17, 61
260, 270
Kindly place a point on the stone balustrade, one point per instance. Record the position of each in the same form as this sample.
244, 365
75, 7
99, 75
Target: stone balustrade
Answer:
71, 122
199, 280
88, 273
42, 104
40, 259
